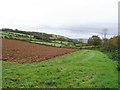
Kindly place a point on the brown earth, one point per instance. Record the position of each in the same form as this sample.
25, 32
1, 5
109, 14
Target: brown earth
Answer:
25, 52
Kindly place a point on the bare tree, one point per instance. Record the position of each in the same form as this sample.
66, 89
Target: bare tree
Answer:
104, 34
105, 31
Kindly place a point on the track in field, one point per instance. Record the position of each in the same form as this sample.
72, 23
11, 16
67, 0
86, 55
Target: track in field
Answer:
25, 52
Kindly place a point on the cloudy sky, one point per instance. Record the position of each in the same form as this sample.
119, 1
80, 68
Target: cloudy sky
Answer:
70, 18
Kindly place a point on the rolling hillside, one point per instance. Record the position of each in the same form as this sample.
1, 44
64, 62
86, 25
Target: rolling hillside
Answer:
41, 38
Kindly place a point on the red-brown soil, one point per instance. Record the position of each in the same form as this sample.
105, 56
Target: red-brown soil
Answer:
25, 52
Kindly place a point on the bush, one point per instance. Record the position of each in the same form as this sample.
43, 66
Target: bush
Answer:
112, 48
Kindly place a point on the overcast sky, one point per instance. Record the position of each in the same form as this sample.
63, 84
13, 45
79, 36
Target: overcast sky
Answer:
70, 18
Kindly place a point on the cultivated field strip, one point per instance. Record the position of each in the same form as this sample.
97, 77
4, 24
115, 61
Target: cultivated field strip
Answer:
24, 52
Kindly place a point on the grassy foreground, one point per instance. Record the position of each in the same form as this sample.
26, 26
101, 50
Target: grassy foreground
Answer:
81, 69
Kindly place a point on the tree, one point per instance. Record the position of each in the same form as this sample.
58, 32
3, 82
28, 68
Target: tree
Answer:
105, 31
94, 40
113, 43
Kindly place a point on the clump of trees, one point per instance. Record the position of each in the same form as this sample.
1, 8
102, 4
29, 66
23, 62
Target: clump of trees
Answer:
94, 40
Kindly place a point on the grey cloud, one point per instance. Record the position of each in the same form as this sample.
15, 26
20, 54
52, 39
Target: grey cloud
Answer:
77, 31
95, 28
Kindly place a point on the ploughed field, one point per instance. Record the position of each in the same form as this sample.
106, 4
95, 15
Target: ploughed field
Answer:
24, 52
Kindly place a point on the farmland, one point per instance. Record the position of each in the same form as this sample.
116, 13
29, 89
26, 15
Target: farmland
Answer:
24, 52
41, 38
34, 60
81, 69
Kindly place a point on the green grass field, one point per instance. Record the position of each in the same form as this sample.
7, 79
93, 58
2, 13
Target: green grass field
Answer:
81, 69
47, 43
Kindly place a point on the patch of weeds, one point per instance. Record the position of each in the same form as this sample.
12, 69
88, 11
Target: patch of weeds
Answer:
59, 69
43, 65
14, 79
81, 70
49, 83
49, 72
83, 80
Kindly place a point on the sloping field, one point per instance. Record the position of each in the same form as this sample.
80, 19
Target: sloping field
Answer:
24, 52
81, 69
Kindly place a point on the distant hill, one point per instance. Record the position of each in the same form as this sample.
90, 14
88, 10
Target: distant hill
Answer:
39, 35
84, 40
42, 38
